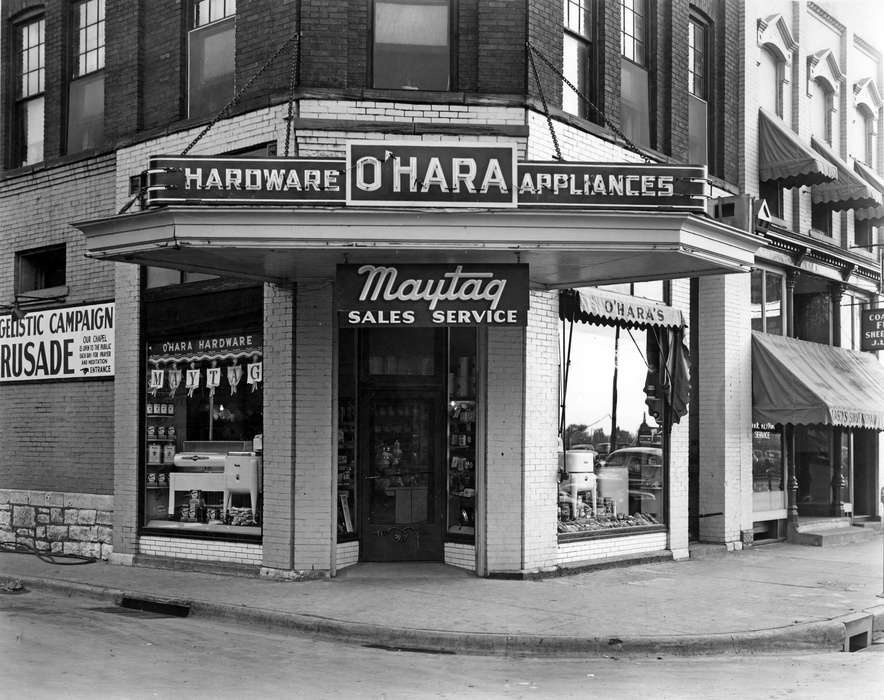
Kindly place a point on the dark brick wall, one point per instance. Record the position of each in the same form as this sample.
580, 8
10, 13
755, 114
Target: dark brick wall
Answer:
502, 46
545, 35
124, 75
165, 52
324, 52
468, 46
262, 27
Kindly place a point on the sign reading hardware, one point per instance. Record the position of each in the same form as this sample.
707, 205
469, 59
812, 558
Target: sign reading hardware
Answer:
432, 295
872, 330
399, 174
66, 343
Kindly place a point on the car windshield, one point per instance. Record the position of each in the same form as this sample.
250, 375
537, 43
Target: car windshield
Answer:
616, 460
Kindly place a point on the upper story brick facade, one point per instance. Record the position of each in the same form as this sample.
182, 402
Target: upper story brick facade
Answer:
328, 49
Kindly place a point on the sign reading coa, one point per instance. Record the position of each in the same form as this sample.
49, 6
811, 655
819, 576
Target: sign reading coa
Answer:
432, 295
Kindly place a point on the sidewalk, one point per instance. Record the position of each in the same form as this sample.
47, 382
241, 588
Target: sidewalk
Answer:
777, 597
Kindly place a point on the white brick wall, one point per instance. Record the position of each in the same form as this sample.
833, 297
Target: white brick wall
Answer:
346, 554
460, 555
572, 553
679, 444
203, 550
725, 382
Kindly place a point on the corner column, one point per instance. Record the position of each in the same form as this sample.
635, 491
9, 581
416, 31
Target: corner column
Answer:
725, 388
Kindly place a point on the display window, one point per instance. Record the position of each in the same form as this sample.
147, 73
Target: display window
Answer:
203, 429
768, 469
619, 382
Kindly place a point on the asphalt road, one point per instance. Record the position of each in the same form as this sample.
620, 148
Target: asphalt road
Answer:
52, 646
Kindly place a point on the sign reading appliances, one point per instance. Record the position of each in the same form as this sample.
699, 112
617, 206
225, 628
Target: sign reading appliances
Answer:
66, 343
399, 174
872, 330
432, 295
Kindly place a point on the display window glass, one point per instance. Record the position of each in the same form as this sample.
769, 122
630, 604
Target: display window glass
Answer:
203, 425
612, 475
768, 483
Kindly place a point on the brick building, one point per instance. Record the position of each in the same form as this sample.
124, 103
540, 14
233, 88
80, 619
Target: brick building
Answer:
245, 417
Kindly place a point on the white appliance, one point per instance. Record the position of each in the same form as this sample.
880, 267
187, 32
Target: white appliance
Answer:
242, 474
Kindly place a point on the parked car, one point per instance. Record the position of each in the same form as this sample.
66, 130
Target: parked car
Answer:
644, 469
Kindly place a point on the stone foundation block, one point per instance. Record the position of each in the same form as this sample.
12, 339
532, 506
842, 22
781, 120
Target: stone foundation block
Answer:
57, 533
86, 517
23, 516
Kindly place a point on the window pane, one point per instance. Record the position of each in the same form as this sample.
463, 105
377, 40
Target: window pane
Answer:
86, 113
634, 103
31, 130
211, 68
846, 313
767, 465
773, 303
41, 269
757, 300
698, 138
411, 50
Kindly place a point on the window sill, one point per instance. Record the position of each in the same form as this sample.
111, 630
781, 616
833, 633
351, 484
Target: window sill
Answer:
38, 296
566, 537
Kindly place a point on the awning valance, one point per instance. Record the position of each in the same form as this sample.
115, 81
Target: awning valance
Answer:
849, 191
804, 383
875, 215
783, 157
592, 305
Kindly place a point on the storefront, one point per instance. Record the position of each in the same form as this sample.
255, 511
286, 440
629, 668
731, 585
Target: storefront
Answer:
818, 412
403, 344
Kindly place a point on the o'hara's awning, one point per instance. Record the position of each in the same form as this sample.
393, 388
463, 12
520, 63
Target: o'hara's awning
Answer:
874, 215
848, 192
804, 383
783, 157
591, 305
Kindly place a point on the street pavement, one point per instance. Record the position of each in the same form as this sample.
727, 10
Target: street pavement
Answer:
766, 599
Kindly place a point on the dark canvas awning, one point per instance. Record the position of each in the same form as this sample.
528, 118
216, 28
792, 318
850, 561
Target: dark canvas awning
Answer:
849, 191
875, 215
783, 157
804, 383
591, 305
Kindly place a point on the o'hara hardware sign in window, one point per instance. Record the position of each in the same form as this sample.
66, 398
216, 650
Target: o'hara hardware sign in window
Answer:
432, 295
408, 174
73, 342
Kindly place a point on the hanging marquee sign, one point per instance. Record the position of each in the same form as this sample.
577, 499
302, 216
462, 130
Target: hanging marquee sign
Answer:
872, 330
432, 295
72, 342
401, 174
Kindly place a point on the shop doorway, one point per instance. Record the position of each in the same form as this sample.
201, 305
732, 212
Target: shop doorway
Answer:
400, 494
400, 443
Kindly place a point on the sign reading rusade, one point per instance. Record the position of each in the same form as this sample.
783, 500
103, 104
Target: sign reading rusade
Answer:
432, 295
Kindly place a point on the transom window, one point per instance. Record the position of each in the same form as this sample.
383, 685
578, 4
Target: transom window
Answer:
767, 302
89, 38
412, 45
633, 18
208, 11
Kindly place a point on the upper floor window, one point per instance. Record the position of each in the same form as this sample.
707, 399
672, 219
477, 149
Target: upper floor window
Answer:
86, 90
767, 302
578, 65
30, 66
40, 269
771, 73
412, 45
699, 131
634, 88
822, 111
211, 67
865, 135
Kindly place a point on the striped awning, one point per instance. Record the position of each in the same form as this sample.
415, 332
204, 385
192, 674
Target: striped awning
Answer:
784, 158
593, 305
874, 215
849, 191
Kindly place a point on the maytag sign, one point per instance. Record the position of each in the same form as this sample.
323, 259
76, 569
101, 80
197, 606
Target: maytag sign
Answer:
432, 295
407, 174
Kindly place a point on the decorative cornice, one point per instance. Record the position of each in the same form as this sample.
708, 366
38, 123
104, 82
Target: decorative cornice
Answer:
846, 265
774, 33
817, 63
866, 46
865, 92
826, 17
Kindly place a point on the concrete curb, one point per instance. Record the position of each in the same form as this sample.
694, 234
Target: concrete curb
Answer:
825, 635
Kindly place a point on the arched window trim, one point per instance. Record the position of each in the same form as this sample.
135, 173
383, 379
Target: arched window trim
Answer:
866, 94
822, 67
774, 34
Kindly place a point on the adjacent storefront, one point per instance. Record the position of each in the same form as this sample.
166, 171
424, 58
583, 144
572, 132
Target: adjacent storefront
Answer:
389, 389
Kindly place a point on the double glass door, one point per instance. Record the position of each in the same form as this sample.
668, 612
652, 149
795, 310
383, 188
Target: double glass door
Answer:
400, 481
